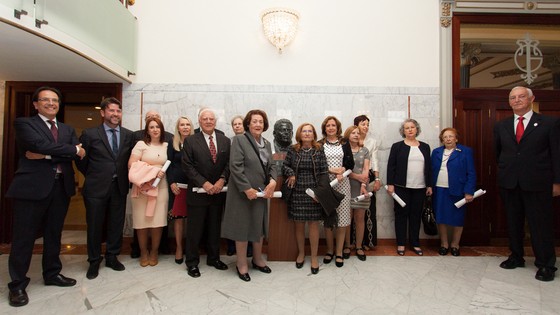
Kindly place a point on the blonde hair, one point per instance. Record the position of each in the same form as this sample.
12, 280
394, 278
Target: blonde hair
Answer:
177, 135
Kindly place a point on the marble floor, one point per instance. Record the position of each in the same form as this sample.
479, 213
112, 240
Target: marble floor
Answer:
381, 285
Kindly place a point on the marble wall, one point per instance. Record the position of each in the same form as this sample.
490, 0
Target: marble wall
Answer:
385, 106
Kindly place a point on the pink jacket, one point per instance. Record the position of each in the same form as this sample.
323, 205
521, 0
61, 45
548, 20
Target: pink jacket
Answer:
142, 175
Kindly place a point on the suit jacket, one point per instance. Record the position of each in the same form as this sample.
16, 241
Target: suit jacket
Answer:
100, 164
397, 165
460, 170
34, 179
199, 167
533, 163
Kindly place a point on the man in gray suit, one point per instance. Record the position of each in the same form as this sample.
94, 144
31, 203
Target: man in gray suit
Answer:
106, 185
205, 162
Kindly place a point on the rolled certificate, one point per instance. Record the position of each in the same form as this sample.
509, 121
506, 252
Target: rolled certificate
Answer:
333, 183
201, 190
163, 169
276, 194
183, 186
362, 197
462, 202
397, 198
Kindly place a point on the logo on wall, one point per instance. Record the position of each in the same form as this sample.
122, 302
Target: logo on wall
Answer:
532, 55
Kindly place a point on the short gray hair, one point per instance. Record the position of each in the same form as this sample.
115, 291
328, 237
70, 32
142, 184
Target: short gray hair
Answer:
418, 129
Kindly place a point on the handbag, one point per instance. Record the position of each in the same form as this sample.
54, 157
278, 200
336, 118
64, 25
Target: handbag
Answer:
286, 192
428, 217
371, 176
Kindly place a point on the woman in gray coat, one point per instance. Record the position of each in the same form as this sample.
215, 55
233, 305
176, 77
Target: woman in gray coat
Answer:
251, 171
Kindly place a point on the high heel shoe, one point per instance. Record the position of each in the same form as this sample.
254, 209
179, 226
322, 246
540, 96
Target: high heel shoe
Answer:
361, 257
153, 261
179, 261
299, 265
346, 254
264, 269
328, 258
243, 276
339, 263
314, 270
144, 260
400, 252
418, 251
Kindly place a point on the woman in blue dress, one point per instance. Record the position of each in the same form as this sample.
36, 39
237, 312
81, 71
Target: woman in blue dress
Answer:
454, 178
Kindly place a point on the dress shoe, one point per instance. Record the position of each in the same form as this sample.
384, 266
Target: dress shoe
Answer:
339, 261
18, 298
512, 263
314, 270
243, 276
418, 251
345, 253
361, 257
153, 260
455, 251
179, 261
218, 264
400, 252
114, 264
545, 274
299, 265
328, 258
60, 281
193, 271
249, 251
264, 269
134, 253
93, 270
443, 251
230, 251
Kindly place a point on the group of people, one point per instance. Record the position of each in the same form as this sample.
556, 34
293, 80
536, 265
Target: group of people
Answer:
222, 185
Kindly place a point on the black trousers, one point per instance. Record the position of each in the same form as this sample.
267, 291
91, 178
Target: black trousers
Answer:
30, 218
410, 215
203, 218
536, 206
110, 209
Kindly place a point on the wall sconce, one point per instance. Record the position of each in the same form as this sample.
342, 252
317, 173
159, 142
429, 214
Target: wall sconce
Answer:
280, 26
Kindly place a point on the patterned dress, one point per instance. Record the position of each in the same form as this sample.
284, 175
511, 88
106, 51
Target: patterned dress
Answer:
334, 155
308, 164
359, 159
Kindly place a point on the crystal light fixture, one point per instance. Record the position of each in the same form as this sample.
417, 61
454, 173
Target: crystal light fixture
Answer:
280, 26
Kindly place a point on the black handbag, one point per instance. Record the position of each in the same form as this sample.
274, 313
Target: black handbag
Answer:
428, 217
371, 176
286, 192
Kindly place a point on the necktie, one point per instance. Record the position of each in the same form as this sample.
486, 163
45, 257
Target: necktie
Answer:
519, 130
114, 143
54, 130
212, 149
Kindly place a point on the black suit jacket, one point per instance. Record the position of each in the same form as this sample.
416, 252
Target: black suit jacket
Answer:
34, 179
100, 164
397, 165
534, 163
199, 167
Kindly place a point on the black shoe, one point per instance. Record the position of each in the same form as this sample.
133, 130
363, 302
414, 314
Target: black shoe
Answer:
443, 251
193, 271
512, 263
346, 254
545, 274
299, 265
114, 264
93, 270
230, 251
249, 251
328, 258
455, 251
18, 298
314, 270
61, 281
134, 253
400, 252
243, 276
179, 261
339, 263
418, 251
264, 269
218, 264
361, 257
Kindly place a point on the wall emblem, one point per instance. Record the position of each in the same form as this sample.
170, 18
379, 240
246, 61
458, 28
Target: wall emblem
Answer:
528, 50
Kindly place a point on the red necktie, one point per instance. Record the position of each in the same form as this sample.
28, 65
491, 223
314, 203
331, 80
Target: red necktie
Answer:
520, 129
54, 130
212, 149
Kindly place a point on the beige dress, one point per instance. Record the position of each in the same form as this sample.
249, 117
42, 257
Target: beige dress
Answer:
153, 155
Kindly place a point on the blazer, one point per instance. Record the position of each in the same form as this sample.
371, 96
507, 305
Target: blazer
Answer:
348, 157
460, 170
198, 166
397, 165
533, 163
34, 179
100, 164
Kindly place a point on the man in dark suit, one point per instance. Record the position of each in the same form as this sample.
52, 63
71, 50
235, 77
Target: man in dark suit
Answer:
527, 152
42, 187
106, 185
163, 245
205, 162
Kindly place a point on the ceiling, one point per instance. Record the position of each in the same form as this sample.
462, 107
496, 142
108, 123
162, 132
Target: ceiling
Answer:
27, 57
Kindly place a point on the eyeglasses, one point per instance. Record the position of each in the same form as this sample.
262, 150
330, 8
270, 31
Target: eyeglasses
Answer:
49, 100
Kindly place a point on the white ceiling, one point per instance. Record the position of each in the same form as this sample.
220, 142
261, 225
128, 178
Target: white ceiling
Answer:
27, 57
